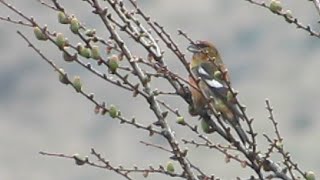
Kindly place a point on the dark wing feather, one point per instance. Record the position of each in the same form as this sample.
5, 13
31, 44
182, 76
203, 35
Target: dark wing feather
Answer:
218, 88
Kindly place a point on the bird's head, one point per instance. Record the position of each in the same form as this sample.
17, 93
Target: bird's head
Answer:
204, 51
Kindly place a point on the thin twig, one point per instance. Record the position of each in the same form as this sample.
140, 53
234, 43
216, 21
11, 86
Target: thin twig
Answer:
292, 20
317, 5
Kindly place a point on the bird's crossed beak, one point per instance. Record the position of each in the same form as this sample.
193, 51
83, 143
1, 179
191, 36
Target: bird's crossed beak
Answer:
194, 48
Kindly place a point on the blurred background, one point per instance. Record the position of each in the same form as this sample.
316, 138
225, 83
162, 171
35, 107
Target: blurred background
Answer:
267, 58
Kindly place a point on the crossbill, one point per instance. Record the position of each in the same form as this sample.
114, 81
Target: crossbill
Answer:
210, 78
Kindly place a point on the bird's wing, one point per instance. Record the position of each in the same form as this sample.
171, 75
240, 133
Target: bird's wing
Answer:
215, 88
205, 73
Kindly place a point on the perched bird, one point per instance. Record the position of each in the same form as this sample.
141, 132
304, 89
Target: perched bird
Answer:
209, 86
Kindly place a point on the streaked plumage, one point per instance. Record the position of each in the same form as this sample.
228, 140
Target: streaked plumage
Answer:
206, 63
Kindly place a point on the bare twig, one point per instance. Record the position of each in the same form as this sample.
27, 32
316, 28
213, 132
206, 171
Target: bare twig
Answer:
317, 5
90, 97
168, 134
82, 161
19, 22
292, 20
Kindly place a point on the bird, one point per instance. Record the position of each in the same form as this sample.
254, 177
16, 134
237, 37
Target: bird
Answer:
208, 85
